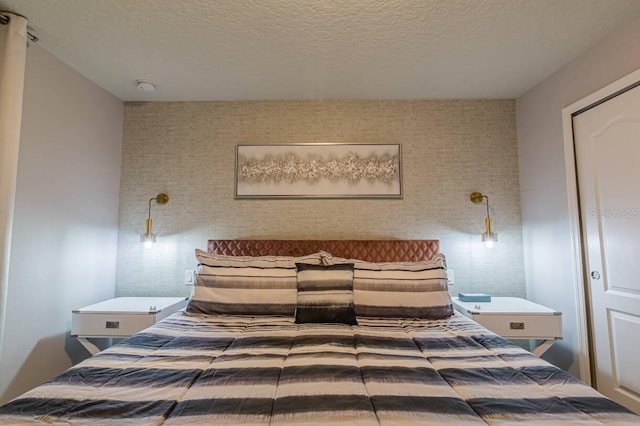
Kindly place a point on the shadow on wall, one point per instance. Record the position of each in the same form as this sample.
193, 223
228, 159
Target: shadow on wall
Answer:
561, 356
78, 353
34, 370
31, 372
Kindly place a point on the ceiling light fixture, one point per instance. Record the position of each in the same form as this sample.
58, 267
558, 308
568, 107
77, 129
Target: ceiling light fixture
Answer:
145, 86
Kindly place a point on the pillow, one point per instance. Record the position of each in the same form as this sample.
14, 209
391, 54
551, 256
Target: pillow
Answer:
401, 289
246, 285
325, 294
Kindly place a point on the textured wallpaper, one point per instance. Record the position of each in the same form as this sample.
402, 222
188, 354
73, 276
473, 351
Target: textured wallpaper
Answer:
450, 148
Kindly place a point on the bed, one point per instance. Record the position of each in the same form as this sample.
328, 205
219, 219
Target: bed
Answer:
316, 332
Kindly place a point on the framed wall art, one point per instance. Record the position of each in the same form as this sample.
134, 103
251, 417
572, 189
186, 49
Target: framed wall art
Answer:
318, 171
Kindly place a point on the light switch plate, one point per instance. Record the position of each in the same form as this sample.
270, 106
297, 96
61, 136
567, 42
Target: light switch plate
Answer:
189, 277
451, 277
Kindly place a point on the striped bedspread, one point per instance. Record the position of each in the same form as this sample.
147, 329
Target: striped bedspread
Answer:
268, 370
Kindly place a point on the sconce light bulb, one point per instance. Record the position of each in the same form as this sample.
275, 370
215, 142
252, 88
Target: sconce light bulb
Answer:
489, 239
148, 239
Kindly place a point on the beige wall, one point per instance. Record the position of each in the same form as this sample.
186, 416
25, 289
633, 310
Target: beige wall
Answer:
450, 149
65, 220
545, 209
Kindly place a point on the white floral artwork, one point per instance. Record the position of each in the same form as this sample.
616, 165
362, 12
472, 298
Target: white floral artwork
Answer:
318, 170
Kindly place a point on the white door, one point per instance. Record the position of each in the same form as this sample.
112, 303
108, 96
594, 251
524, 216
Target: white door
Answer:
607, 145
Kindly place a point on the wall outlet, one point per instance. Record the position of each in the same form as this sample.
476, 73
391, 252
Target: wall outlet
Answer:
189, 277
451, 277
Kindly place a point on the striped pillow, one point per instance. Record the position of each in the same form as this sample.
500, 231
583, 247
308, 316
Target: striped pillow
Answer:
401, 289
325, 294
246, 285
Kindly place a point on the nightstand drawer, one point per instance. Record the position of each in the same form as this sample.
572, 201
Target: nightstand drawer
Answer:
109, 324
123, 316
515, 318
517, 326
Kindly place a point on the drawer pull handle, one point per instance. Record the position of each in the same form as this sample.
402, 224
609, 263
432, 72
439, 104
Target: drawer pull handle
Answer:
516, 325
113, 324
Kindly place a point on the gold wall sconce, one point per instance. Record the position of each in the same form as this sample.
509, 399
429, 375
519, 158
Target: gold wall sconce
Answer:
489, 238
149, 238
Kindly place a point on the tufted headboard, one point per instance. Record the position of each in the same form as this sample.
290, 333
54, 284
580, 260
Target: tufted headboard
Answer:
370, 250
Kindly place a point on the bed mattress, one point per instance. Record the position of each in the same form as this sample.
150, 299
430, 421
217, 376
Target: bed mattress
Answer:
268, 370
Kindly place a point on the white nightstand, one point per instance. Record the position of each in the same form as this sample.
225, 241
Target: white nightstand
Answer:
121, 317
515, 318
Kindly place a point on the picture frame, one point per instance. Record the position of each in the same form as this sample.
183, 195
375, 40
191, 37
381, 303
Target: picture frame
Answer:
326, 170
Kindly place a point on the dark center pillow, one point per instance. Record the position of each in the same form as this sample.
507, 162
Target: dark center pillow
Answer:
325, 294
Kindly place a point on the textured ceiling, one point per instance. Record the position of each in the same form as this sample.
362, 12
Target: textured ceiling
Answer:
320, 49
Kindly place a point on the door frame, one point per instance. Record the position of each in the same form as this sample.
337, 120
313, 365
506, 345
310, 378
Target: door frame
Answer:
579, 283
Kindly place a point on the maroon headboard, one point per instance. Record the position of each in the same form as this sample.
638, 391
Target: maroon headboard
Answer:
370, 250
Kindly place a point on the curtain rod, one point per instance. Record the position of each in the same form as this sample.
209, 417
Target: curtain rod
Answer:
5, 19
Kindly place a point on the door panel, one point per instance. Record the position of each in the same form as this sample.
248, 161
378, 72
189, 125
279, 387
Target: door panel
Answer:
625, 328
615, 176
607, 146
